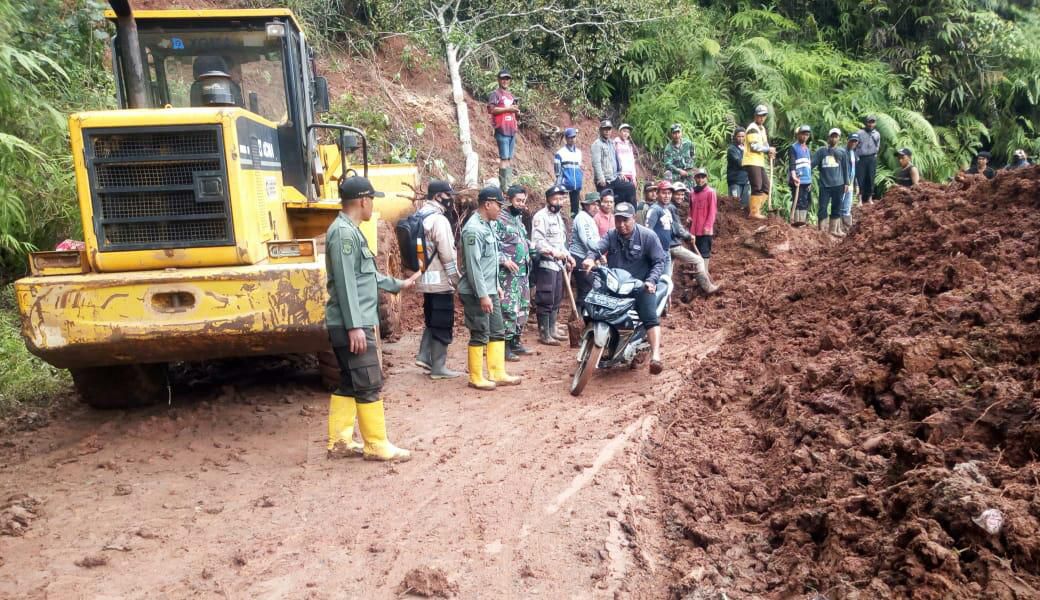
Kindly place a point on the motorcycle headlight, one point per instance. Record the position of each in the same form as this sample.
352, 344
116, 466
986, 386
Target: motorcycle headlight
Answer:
626, 288
611, 281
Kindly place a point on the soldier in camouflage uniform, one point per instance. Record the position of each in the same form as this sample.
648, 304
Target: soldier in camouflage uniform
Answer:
678, 157
514, 266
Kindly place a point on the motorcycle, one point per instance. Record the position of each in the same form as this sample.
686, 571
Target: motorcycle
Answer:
614, 335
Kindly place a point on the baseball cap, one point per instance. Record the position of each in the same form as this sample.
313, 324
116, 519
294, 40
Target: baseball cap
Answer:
514, 190
491, 192
700, 173
356, 187
871, 119
984, 154
833, 131
591, 198
649, 185
761, 109
624, 209
664, 184
504, 74
606, 124
570, 132
439, 186
675, 127
625, 126
678, 186
804, 129
854, 137
554, 190
1020, 153
905, 152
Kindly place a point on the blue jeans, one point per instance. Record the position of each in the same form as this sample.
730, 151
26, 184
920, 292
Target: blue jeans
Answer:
830, 196
846, 203
742, 191
506, 145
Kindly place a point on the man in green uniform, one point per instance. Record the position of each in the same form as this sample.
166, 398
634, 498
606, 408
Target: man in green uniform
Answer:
514, 260
351, 315
480, 291
678, 157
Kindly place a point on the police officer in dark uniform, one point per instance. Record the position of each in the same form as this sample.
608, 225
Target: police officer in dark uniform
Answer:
351, 316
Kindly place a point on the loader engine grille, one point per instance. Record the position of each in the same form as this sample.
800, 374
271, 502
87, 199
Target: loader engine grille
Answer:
159, 187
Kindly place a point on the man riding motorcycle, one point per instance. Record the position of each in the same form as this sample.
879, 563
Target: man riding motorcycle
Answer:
637, 250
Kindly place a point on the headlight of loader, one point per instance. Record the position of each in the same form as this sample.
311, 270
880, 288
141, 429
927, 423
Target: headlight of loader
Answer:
292, 251
58, 262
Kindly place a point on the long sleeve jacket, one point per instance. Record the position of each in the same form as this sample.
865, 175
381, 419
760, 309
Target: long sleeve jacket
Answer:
584, 235
756, 146
567, 166
442, 272
352, 281
640, 254
678, 157
626, 158
480, 253
869, 142
548, 235
834, 166
513, 244
604, 160
703, 207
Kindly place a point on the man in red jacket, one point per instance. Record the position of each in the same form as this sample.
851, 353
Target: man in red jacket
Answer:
505, 119
703, 206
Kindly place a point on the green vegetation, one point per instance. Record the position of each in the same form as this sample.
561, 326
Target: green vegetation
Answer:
24, 379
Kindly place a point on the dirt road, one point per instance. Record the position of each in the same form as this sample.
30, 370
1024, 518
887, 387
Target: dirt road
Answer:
524, 492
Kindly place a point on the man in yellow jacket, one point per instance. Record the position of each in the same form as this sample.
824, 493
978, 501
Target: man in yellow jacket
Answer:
757, 156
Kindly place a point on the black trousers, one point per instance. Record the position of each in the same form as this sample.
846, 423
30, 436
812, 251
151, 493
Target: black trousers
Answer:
804, 196
360, 375
866, 171
575, 201
703, 243
549, 293
439, 316
582, 285
758, 178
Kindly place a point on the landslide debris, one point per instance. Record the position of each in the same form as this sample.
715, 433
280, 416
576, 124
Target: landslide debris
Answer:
870, 427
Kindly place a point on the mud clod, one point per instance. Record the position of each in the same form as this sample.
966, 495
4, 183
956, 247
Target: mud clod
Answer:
428, 582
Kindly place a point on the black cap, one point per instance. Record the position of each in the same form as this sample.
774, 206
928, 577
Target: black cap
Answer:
554, 190
606, 124
905, 152
439, 186
607, 192
649, 185
356, 187
514, 190
985, 154
490, 193
624, 209
504, 74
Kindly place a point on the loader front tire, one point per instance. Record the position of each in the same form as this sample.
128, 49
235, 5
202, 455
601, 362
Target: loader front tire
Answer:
121, 386
388, 261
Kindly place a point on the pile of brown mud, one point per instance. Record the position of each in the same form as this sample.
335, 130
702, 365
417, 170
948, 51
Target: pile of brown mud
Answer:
870, 426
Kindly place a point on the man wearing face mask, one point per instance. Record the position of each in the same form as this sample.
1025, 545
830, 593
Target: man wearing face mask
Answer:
514, 265
438, 282
549, 240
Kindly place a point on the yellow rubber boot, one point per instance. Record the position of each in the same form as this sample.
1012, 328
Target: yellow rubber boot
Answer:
497, 364
342, 410
757, 202
372, 422
476, 369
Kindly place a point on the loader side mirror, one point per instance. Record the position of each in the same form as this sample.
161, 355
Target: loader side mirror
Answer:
348, 143
321, 95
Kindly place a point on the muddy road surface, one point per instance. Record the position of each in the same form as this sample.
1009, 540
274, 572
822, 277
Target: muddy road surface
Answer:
227, 493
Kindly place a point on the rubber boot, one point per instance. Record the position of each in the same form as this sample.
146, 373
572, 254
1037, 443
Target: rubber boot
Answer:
504, 175
476, 369
497, 364
423, 358
372, 422
554, 329
846, 224
543, 331
799, 218
511, 355
519, 348
706, 271
438, 358
835, 228
706, 284
822, 224
341, 444
757, 202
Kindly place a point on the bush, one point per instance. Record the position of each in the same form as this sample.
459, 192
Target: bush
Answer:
24, 379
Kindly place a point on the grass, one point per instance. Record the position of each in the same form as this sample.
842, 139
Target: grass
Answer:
25, 381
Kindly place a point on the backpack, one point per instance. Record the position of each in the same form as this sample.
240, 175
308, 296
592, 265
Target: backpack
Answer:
411, 240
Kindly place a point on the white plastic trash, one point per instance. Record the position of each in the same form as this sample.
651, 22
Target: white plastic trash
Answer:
991, 520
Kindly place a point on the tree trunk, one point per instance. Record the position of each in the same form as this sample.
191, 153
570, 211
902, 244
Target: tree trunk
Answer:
451, 54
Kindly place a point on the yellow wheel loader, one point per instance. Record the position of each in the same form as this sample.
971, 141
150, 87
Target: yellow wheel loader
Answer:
205, 199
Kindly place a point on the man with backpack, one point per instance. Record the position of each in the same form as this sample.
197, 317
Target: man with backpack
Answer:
440, 275
514, 270
567, 165
504, 112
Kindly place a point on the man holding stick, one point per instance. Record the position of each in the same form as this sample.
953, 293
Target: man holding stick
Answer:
758, 156
800, 176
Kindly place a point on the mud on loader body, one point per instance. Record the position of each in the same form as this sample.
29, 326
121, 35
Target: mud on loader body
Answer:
204, 201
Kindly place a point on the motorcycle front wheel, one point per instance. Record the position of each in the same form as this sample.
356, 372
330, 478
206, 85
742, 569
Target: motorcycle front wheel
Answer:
589, 355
